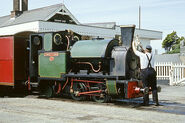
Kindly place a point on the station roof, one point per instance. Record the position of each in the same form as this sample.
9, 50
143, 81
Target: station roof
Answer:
54, 13
143, 33
166, 58
58, 18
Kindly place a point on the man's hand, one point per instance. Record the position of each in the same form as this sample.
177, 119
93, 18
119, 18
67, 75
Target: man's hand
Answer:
136, 45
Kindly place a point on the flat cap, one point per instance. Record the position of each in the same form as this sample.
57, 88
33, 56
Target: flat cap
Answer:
148, 47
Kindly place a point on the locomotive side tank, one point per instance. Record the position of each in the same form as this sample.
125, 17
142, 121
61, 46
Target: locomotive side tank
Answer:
93, 56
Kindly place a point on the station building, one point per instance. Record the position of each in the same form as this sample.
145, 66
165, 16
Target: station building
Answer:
59, 18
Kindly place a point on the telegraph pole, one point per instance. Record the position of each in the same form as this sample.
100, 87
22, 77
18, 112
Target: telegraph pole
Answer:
139, 17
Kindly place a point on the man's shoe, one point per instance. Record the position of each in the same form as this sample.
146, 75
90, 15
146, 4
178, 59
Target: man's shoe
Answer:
157, 104
145, 104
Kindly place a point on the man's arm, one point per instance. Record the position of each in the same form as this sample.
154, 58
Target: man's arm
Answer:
134, 47
135, 50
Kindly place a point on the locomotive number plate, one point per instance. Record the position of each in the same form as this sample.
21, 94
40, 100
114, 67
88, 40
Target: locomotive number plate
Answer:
51, 54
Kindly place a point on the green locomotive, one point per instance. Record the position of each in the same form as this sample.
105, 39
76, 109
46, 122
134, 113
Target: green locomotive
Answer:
100, 69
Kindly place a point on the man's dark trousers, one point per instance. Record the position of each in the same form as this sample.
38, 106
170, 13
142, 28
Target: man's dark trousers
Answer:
149, 81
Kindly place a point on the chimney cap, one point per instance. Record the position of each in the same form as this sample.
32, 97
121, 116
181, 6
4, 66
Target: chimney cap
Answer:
15, 14
131, 25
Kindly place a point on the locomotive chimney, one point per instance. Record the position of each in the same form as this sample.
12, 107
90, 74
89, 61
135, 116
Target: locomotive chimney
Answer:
127, 35
16, 7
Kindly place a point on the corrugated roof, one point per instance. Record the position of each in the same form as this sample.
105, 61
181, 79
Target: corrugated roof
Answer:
104, 24
174, 58
4, 19
31, 15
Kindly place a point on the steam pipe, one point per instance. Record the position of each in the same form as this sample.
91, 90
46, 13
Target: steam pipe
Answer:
92, 67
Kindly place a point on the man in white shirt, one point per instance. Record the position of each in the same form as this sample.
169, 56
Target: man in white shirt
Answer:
148, 74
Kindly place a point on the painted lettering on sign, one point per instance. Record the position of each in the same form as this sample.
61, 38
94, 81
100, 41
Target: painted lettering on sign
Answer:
51, 54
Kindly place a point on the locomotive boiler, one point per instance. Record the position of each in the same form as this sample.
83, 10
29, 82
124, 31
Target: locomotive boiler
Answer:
98, 69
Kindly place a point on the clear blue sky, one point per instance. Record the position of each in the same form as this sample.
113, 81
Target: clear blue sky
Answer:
161, 15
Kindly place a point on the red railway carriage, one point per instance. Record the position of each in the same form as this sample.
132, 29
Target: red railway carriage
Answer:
13, 59
6, 61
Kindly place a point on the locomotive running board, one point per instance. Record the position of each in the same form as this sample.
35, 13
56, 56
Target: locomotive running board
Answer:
90, 76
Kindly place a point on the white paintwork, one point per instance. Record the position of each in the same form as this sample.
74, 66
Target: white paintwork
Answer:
44, 26
175, 73
62, 13
11, 30
67, 12
145, 34
80, 29
155, 35
145, 42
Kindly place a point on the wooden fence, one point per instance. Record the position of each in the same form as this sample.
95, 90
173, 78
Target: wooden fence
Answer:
175, 73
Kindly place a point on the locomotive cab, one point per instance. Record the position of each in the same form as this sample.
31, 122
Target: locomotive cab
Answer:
49, 54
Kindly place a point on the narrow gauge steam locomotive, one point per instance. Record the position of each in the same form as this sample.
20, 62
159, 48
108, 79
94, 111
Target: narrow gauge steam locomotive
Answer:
61, 63
98, 69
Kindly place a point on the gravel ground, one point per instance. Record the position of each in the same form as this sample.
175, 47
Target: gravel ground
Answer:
31, 109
